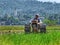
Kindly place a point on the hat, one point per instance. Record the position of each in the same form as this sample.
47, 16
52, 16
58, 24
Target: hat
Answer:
37, 14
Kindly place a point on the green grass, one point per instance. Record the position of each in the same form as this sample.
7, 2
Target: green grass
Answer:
19, 27
56, 27
50, 38
15, 27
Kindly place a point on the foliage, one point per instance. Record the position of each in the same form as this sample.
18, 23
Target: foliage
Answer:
13, 27
50, 38
50, 22
24, 10
21, 27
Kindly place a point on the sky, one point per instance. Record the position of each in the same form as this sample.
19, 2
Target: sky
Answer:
58, 1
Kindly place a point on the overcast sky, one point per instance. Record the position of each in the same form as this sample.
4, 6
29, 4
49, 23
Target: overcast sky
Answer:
58, 1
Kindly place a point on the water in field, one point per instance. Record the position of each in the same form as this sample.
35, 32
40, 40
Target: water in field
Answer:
49, 38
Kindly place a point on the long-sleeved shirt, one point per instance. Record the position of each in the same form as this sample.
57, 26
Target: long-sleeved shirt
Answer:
39, 20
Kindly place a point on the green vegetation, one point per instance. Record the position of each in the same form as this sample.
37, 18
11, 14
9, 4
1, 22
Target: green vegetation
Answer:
18, 12
16, 27
50, 22
50, 38
54, 27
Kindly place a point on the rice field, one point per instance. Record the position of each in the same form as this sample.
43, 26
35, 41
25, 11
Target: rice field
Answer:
13, 27
19, 27
49, 38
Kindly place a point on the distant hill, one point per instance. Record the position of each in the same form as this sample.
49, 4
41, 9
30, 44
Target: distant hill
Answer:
7, 6
27, 8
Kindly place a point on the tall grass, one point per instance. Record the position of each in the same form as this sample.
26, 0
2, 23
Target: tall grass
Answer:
19, 27
13, 27
57, 27
50, 38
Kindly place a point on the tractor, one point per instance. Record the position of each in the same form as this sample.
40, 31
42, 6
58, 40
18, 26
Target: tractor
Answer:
35, 27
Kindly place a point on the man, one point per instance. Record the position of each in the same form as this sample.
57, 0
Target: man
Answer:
35, 22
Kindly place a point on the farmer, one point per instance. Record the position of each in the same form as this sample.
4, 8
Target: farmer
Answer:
35, 21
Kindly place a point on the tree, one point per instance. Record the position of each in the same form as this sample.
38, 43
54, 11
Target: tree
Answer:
50, 22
